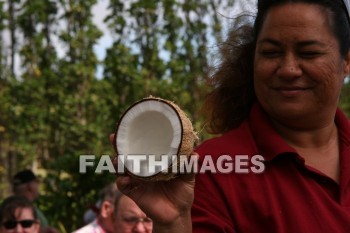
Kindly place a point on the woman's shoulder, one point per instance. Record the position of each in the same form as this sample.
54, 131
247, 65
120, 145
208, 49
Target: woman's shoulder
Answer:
237, 139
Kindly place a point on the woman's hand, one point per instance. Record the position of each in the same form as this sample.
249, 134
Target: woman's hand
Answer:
168, 203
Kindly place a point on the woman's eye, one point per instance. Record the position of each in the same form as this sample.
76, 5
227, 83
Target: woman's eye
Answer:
270, 53
310, 54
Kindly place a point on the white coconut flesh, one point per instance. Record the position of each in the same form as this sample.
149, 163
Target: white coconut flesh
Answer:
149, 128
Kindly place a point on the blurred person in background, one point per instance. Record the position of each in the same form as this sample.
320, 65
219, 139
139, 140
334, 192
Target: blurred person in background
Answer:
17, 215
26, 184
129, 218
103, 223
91, 214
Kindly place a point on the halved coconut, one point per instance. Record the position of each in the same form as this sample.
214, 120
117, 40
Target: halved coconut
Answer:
151, 136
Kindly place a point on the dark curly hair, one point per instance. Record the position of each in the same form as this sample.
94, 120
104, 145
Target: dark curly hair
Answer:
233, 95
9, 206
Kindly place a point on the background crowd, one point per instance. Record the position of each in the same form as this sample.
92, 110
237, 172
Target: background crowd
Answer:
114, 212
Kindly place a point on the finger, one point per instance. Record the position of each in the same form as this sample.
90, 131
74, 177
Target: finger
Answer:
123, 182
112, 138
129, 186
194, 153
119, 166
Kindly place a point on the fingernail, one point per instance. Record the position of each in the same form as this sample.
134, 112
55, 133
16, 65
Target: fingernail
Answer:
125, 179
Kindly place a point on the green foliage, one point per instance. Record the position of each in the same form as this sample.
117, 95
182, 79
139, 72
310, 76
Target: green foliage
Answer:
345, 98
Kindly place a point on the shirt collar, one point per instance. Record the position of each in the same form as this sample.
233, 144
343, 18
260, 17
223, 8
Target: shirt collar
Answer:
270, 144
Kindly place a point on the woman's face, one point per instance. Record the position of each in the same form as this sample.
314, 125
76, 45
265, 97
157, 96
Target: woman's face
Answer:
24, 222
298, 69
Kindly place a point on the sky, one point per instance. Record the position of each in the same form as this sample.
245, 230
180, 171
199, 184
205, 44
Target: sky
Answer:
99, 12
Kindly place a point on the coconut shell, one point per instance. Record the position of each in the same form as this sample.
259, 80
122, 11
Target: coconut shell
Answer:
188, 138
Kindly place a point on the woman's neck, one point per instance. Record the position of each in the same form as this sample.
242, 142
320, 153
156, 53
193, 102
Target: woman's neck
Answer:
319, 147
308, 138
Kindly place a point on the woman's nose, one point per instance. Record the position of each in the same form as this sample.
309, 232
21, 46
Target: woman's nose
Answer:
289, 67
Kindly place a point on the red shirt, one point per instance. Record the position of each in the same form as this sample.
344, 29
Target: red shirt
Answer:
287, 197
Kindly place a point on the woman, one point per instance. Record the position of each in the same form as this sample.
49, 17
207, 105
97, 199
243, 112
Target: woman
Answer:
276, 94
17, 215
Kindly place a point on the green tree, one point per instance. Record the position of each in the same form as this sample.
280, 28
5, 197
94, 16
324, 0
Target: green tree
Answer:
163, 46
3, 85
345, 97
77, 120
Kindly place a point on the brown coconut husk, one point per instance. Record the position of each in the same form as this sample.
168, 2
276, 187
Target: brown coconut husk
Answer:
188, 138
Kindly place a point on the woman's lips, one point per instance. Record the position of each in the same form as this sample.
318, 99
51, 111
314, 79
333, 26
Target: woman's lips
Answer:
291, 91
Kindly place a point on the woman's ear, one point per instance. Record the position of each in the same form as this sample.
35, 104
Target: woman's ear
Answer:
347, 64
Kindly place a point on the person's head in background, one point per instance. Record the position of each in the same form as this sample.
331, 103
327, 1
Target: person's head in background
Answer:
26, 184
106, 209
129, 218
17, 215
